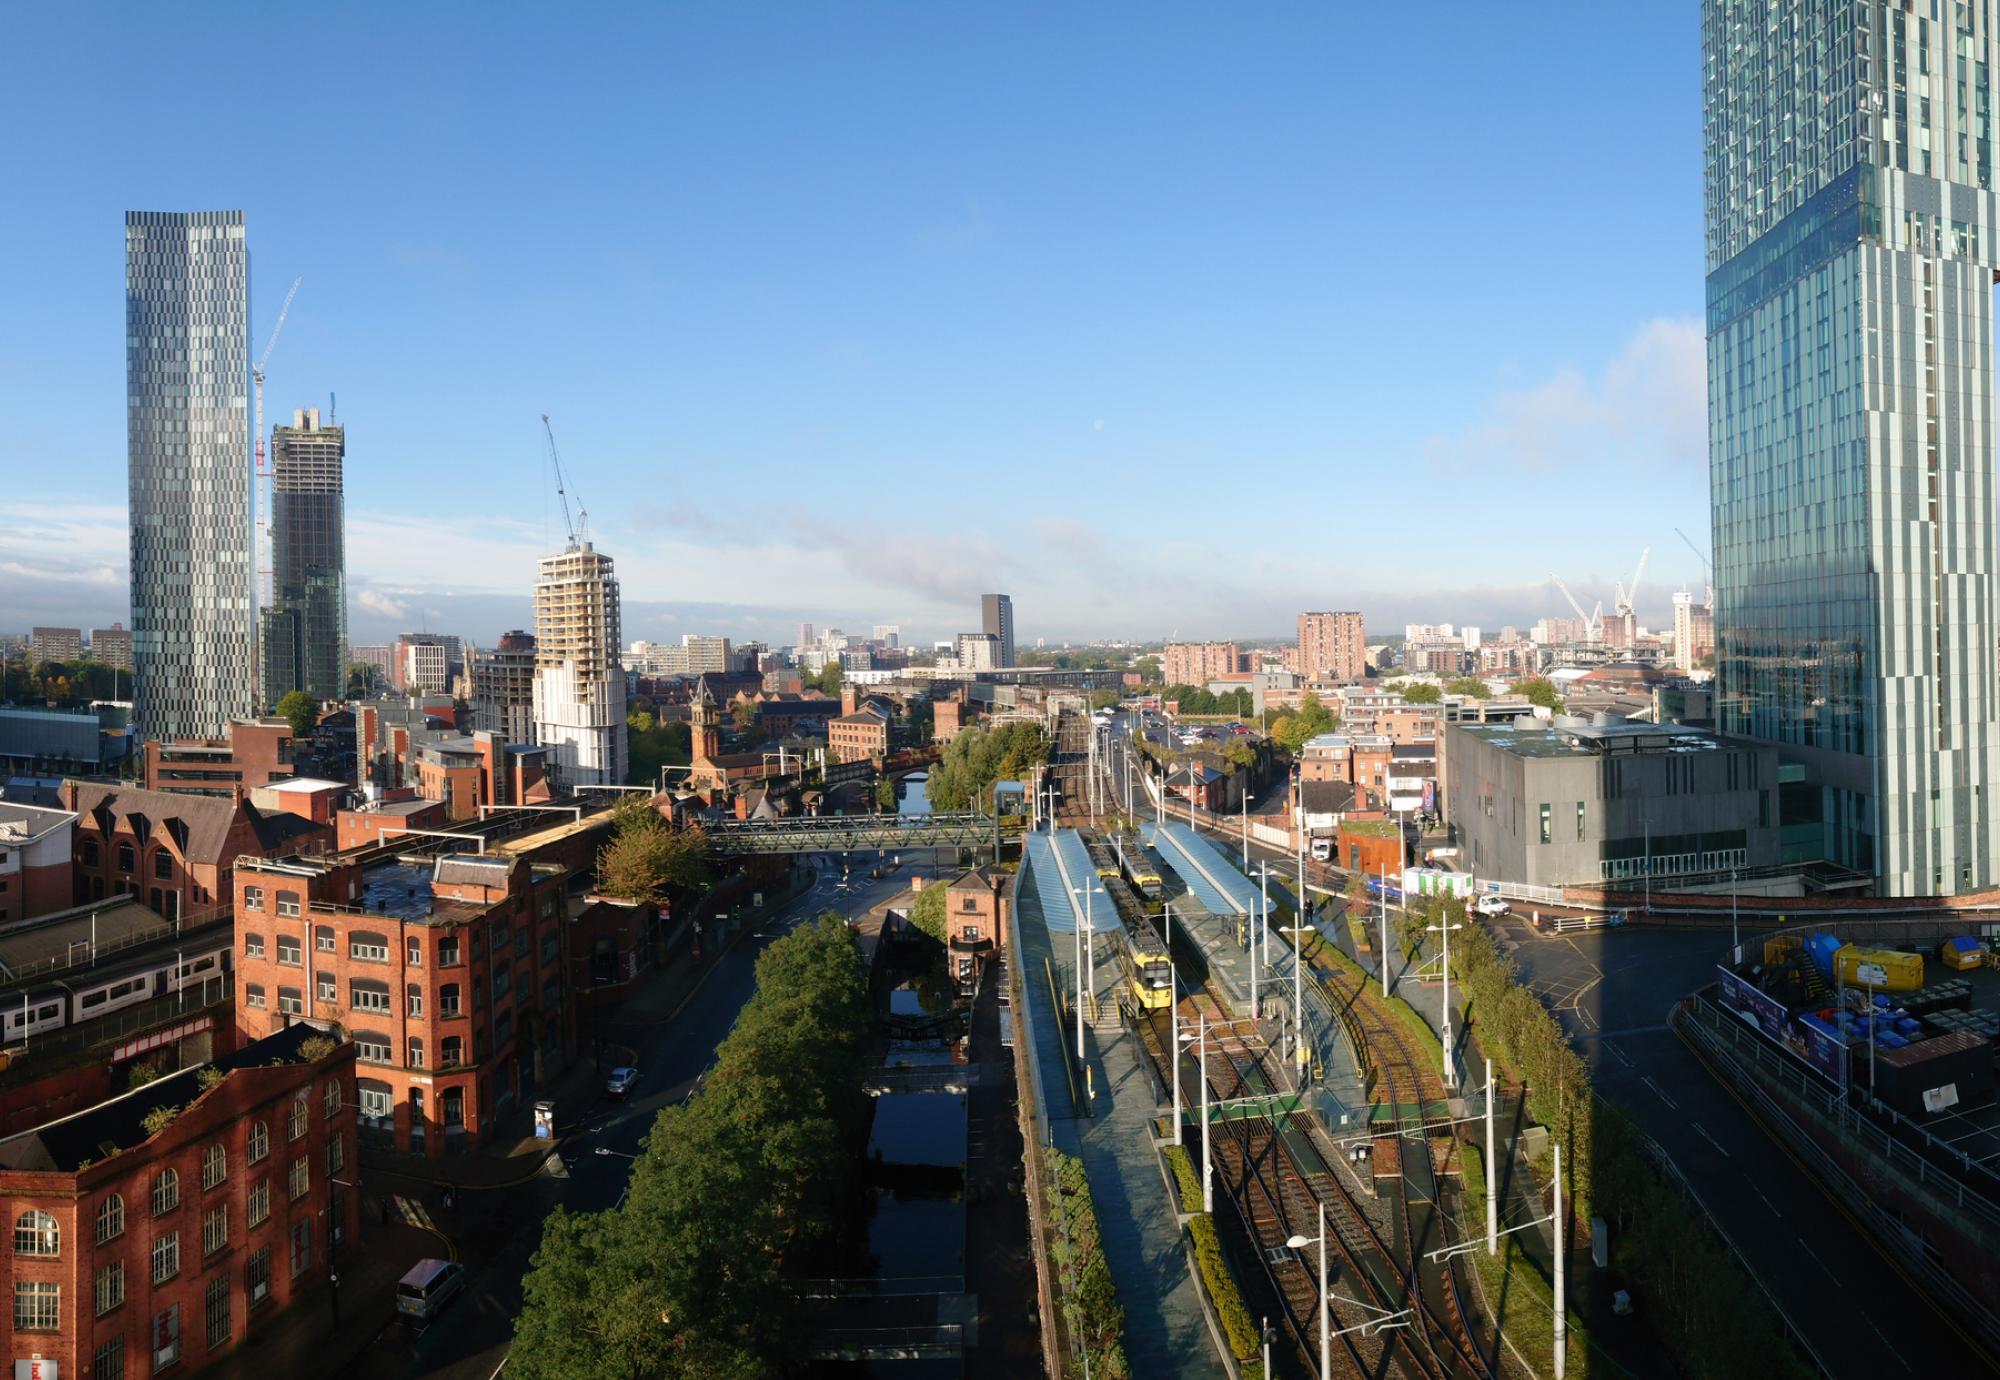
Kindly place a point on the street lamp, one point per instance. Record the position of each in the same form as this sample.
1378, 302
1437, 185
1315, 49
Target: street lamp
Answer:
607, 1150
1446, 930
1298, 933
1384, 1317
1086, 954
1207, 1163
1174, 982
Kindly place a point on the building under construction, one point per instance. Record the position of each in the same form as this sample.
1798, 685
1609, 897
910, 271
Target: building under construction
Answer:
579, 685
304, 632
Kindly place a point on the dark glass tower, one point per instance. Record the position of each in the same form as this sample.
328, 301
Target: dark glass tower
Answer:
305, 629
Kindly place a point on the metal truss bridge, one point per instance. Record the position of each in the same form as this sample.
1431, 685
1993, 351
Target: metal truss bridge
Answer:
853, 833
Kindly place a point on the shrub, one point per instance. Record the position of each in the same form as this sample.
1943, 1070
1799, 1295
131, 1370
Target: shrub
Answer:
1185, 1177
1237, 1323
158, 1120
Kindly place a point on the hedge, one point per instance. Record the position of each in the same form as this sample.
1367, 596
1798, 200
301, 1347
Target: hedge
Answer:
1237, 1323
1090, 1297
1185, 1176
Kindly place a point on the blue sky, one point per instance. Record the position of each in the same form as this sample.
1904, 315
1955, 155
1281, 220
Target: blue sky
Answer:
1164, 318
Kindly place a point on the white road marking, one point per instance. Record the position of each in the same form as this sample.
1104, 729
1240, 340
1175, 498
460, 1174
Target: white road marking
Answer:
1766, 1201
1702, 1131
1829, 1273
1648, 1081
1888, 1345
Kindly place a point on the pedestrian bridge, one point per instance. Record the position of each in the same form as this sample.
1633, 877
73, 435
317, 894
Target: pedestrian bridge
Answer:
737, 838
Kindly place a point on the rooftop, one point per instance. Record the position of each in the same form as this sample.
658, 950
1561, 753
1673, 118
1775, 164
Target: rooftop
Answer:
53, 941
1572, 737
21, 824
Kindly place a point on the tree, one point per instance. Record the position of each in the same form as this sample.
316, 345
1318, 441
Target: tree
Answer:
829, 678
302, 710
1102, 699
963, 778
360, 679
650, 745
1469, 685
744, 712
1541, 692
885, 794
645, 859
1422, 693
1293, 731
928, 912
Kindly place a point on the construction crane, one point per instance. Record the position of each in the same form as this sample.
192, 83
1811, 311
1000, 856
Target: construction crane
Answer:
1626, 595
264, 471
1591, 621
1705, 565
574, 530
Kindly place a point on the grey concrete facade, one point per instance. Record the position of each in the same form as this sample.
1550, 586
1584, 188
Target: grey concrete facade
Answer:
1572, 803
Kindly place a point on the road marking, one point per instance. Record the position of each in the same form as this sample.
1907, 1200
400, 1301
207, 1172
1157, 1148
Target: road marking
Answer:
1702, 1131
1813, 1256
1886, 1343
1766, 1201
1648, 1081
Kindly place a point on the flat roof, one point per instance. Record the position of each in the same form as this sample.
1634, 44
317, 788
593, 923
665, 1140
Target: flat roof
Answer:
402, 889
1536, 738
306, 783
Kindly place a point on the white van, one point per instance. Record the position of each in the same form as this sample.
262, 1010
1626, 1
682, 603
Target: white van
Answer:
428, 1286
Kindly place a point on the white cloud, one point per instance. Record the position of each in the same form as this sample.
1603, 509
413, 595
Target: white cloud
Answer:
376, 602
1648, 405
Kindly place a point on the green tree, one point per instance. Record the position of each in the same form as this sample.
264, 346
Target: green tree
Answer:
927, 913
885, 794
1469, 685
1102, 699
360, 679
1293, 731
301, 710
645, 860
1542, 692
829, 678
1422, 693
963, 778
650, 745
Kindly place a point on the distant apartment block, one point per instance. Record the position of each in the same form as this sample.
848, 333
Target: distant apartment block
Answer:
1332, 647
503, 687
253, 753
425, 669
996, 620
579, 685
1694, 631
54, 644
1197, 663
112, 646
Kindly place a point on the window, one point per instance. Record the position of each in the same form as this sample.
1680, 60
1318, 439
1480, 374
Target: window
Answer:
502, 981
454, 1106
109, 1362
369, 948
451, 1051
288, 950
253, 898
416, 1052
373, 1048
257, 1275
413, 952
110, 1288
325, 987
549, 947
258, 1143
166, 1192
330, 1102
302, 1247
37, 1306
323, 938
163, 866
125, 857
215, 1229
1579, 821
36, 1233
447, 952
288, 903
972, 903
291, 1001
295, 1119
166, 1257
260, 1202
214, 1167
448, 999
253, 995
253, 946
972, 931
503, 1028
110, 1219
368, 996
1545, 823
166, 1336
215, 1305
415, 996
90, 852
301, 1177
336, 1155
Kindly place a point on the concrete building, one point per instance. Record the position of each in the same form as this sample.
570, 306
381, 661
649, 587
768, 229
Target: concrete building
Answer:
1852, 238
112, 646
1694, 631
503, 688
36, 876
996, 620
54, 644
426, 670
978, 652
1332, 646
137, 1249
1579, 803
254, 752
448, 975
304, 630
187, 388
579, 686
1197, 663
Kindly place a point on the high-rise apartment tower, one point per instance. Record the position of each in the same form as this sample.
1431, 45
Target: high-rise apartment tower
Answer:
187, 418
579, 685
996, 619
1333, 646
1851, 245
305, 628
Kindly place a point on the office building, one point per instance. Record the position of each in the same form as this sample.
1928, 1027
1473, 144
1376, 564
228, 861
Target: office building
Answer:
1332, 646
1851, 243
1694, 631
996, 620
579, 685
304, 630
978, 652
54, 644
426, 668
112, 646
187, 386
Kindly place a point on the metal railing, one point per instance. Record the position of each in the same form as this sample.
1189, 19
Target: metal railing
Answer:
848, 833
33, 1061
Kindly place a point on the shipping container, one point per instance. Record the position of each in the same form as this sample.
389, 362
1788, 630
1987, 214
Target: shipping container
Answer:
1931, 1076
1885, 970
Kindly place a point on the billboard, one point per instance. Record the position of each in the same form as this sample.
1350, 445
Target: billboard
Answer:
1822, 1051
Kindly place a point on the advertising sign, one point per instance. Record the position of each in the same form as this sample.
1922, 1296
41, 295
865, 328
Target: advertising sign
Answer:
545, 1121
35, 1369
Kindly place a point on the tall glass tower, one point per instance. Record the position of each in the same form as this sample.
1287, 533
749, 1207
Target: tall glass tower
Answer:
305, 628
1852, 242
187, 409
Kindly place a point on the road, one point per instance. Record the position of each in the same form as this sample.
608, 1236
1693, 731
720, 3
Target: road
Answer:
496, 1231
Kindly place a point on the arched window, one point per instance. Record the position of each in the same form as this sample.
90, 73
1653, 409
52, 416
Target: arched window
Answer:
110, 1219
36, 1233
260, 1141
166, 1192
295, 1122
214, 1166
331, 1096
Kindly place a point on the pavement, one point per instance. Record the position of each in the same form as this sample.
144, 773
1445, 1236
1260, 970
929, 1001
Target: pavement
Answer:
473, 1206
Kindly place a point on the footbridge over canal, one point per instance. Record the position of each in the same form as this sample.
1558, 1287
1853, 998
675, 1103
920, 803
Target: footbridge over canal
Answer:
737, 838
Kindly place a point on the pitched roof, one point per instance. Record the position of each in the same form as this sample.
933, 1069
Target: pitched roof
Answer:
1326, 797
199, 824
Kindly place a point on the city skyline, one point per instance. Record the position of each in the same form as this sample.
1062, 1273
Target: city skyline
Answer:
1260, 361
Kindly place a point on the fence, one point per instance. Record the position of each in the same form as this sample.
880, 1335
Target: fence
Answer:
45, 1054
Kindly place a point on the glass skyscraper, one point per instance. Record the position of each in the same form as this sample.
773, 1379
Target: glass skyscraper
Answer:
1851, 249
305, 627
187, 408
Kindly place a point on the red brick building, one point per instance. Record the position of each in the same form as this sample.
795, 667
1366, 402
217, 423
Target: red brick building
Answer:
861, 736
1332, 646
140, 1246
480, 769
385, 819
976, 921
35, 869
173, 851
255, 753
449, 976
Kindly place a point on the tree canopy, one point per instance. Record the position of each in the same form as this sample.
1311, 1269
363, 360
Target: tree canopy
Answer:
300, 710
650, 745
1469, 685
1312, 718
646, 860
927, 913
1540, 691
1195, 699
1423, 692
747, 1178
963, 778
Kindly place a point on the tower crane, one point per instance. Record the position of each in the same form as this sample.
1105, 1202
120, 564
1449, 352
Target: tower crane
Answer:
1705, 565
1625, 594
1591, 621
264, 470
573, 530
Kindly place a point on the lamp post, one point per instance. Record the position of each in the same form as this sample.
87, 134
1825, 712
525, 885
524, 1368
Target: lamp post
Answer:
1385, 934
1735, 938
1207, 1162
1087, 960
1492, 1173
1562, 1315
1383, 1317
1243, 799
1445, 965
1298, 933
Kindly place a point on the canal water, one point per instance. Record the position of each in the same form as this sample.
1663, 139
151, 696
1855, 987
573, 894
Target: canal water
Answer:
910, 799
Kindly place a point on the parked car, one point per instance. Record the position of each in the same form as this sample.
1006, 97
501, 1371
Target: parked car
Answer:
621, 1080
426, 1288
1489, 904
